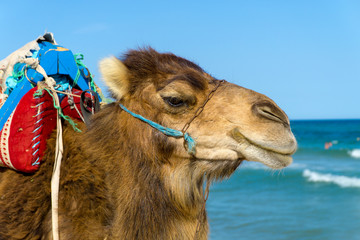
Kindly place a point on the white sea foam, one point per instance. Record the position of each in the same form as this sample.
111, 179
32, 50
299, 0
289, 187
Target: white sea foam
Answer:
342, 181
355, 153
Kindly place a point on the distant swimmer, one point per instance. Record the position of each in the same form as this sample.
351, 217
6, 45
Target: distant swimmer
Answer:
328, 145
358, 139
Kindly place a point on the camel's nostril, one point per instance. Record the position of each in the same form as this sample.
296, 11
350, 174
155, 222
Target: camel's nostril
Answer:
271, 112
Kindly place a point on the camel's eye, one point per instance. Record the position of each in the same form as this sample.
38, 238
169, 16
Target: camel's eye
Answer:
174, 101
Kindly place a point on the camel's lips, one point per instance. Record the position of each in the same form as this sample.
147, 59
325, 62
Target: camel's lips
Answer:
250, 152
237, 147
270, 156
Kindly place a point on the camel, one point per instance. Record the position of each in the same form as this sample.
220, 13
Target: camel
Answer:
123, 179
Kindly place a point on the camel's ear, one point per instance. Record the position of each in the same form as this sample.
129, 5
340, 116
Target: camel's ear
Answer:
115, 75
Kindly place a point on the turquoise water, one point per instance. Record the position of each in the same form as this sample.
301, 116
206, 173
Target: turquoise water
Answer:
317, 197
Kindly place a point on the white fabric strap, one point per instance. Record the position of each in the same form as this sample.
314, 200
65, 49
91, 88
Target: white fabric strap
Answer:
55, 180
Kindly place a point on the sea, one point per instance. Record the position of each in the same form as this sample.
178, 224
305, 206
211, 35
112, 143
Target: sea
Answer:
317, 197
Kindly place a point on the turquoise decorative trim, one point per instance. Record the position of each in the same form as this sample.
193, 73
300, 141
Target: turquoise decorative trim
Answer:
67, 118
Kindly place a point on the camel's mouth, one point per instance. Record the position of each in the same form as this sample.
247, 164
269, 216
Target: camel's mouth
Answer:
272, 159
275, 156
236, 147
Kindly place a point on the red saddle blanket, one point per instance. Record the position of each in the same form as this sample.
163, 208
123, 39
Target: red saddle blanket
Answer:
23, 137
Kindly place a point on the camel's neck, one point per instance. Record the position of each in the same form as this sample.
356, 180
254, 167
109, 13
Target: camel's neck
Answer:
147, 202
145, 207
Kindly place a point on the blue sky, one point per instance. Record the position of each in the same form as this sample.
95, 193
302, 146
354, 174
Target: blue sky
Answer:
303, 54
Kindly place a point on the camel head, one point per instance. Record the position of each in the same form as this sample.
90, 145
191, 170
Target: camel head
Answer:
236, 124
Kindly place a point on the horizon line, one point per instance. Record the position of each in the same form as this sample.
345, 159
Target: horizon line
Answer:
326, 119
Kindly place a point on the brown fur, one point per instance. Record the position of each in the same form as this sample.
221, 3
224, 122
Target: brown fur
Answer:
120, 178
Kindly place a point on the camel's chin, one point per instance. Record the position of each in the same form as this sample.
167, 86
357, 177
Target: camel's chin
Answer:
269, 158
276, 160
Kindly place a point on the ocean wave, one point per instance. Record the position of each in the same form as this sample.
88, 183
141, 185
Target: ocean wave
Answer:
260, 166
253, 166
297, 166
342, 181
355, 153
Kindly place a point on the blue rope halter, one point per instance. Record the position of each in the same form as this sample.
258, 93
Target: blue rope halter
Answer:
167, 131
175, 133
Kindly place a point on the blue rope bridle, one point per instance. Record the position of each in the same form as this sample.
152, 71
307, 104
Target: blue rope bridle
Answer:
176, 133
165, 130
